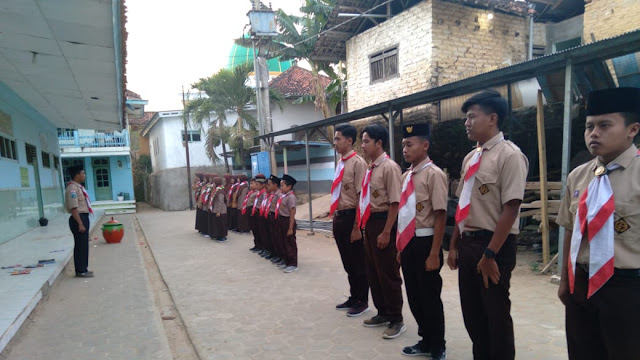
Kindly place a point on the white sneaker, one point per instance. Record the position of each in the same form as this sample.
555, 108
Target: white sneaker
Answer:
290, 269
207, 236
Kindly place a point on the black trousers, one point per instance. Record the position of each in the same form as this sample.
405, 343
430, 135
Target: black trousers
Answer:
487, 312
352, 255
607, 325
383, 271
290, 247
81, 243
423, 292
276, 236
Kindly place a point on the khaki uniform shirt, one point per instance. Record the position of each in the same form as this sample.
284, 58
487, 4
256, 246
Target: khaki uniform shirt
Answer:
259, 203
239, 196
501, 178
288, 203
625, 183
386, 184
274, 200
252, 198
74, 198
354, 171
430, 186
198, 190
219, 206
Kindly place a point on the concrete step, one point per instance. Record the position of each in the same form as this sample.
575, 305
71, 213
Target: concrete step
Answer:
115, 206
120, 211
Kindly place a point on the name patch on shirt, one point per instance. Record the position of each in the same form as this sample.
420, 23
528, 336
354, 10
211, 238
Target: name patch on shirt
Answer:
484, 189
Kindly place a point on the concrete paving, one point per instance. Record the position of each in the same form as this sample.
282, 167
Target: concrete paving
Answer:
110, 316
237, 305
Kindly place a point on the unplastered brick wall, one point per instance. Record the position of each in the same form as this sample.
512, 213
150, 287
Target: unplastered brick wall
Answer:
411, 32
607, 18
466, 42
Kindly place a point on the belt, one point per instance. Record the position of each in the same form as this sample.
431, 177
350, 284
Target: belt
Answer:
628, 273
478, 234
424, 232
379, 215
345, 212
284, 217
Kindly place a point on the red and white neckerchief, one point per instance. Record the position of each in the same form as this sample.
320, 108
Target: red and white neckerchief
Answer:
255, 202
86, 195
233, 187
264, 211
267, 209
280, 202
246, 200
595, 216
213, 196
207, 193
364, 205
337, 183
407, 210
198, 189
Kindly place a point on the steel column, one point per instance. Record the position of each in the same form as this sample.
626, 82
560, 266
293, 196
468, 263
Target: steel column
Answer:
566, 150
306, 149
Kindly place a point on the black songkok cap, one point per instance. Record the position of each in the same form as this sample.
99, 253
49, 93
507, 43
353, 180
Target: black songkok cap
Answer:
423, 130
615, 100
289, 179
275, 179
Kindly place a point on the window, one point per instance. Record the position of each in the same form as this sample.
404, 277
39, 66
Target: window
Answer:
8, 149
56, 162
156, 149
65, 133
194, 136
384, 64
66, 164
46, 160
31, 152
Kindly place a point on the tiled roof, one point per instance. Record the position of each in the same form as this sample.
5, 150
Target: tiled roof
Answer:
296, 82
141, 121
131, 95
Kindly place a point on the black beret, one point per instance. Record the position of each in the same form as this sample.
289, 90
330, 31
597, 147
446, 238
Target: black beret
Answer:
274, 179
615, 100
416, 130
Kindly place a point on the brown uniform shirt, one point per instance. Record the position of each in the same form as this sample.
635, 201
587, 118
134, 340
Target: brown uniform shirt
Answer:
625, 183
74, 198
386, 184
252, 198
241, 193
354, 171
501, 178
430, 186
198, 191
274, 200
219, 205
288, 203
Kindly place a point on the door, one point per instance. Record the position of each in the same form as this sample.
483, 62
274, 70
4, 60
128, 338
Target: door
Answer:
102, 178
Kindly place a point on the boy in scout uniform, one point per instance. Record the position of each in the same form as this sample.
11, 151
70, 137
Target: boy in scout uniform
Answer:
78, 205
265, 231
378, 211
422, 217
286, 216
243, 200
275, 243
600, 280
260, 181
345, 191
483, 243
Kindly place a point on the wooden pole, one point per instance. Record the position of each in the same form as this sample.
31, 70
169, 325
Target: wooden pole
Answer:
542, 156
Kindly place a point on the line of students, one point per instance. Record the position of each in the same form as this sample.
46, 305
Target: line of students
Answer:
264, 207
399, 221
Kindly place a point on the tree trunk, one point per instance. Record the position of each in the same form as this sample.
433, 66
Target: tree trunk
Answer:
321, 101
226, 161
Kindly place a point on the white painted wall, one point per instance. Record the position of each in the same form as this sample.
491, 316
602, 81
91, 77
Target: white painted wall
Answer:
293, 115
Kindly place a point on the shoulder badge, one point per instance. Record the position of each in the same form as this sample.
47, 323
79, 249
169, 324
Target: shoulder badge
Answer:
74, 195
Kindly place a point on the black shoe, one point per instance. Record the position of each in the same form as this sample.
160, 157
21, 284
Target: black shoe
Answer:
254, 249
265, 253
441, 356
269, 256
222, 239
86, 274
275, 259
416, 350
345, 305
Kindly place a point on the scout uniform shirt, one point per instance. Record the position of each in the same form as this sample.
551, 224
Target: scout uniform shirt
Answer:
430, 186
241, 194
288, 203
274, 201
386, 184
74, 198
501, 177
219, 205
252, 198
354, 171
625, 183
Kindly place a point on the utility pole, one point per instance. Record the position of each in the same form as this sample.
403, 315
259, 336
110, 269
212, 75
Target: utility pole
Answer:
263, 29
185, 118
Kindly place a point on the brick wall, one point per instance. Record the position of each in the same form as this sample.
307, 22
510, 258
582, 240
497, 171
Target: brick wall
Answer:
607, 18
438, 42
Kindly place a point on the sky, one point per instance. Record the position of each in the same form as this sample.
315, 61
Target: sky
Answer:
175, 43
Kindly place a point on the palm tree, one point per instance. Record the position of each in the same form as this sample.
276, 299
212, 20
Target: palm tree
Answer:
227, 91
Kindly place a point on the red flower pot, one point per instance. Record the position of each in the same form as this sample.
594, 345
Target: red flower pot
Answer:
112, 231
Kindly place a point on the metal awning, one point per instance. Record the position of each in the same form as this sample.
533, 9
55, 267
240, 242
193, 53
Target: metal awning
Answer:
65, 58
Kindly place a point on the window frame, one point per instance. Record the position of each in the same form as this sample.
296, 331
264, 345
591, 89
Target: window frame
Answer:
382, 56
191, 136
29, 159
46, 163
8, 148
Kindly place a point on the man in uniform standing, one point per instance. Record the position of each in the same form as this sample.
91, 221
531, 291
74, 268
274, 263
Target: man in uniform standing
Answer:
422, 217
483, 243
347, 183
256, 219
378, 212
600, 282
78, 205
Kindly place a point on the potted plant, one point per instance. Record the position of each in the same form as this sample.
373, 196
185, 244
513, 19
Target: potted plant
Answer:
120, 196
43, 221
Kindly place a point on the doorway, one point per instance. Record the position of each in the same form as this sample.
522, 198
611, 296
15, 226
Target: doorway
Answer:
102, 178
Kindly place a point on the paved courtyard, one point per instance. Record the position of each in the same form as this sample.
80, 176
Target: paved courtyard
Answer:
237, 305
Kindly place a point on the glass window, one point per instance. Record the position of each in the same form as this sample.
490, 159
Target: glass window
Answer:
384, 64
46, 160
